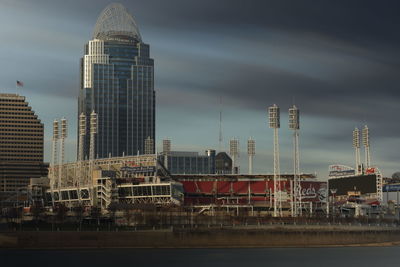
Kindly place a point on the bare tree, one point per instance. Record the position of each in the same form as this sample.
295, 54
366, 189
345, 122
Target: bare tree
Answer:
61, 213
37, 212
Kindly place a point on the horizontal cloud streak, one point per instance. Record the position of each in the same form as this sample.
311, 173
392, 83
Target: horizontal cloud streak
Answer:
337, 60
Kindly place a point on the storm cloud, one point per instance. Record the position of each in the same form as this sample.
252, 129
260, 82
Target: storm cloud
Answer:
338, 61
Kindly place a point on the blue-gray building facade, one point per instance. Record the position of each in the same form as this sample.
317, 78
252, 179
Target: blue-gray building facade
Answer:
117, 82
182, 162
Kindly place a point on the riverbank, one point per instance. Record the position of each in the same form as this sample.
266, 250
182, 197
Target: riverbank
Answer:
233, 237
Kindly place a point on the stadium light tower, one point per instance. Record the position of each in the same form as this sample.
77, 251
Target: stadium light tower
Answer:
365, 136
294, 124
148, 146
93, 132
62, 150
82, 133
356, 146
56, 136
234, 151
251, 151
274, 123
166, 151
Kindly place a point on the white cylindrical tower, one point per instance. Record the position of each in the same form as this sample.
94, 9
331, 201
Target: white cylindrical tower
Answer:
365, 136
166, 146
56, 136
234, 151
148, 146
356, 146
93, 132
274, 123
166, 151
63, 136
294, 124
251, 151
82, 133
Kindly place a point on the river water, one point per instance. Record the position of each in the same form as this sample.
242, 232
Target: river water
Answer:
243, 257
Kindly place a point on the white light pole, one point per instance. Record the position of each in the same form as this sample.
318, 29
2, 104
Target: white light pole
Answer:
93, 132
251, 151
148, 146
356, 146
365, 136
82, 134
166, 151
62, 150
274, 123
56, 136
234, 151
294, 124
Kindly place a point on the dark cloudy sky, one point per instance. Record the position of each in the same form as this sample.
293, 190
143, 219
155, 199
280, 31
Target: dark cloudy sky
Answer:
338, 61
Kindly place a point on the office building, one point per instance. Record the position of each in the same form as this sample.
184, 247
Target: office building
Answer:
117, 82
223, 163
21, 138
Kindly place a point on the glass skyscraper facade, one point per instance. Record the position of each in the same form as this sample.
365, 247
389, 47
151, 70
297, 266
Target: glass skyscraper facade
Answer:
117, 82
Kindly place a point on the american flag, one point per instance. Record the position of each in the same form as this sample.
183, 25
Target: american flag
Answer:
20, 84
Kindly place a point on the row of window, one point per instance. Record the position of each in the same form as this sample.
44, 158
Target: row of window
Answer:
14, 109
17, 113
21, 126
24, 117
22, 120
11, 100
21, 158
7, 147
17, 140
22, 130
20, 134
144, 191
14, 105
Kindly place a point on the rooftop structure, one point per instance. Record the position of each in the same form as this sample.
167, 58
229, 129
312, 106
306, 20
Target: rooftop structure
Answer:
116, 21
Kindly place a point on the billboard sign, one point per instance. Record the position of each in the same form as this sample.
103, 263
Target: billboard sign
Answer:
391, 188
138, 169
340, 171
314, 191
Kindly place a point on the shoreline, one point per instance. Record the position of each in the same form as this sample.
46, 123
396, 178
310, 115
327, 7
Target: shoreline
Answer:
237, 237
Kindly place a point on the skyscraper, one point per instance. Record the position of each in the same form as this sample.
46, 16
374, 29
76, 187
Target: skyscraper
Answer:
117, 82
21, 139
